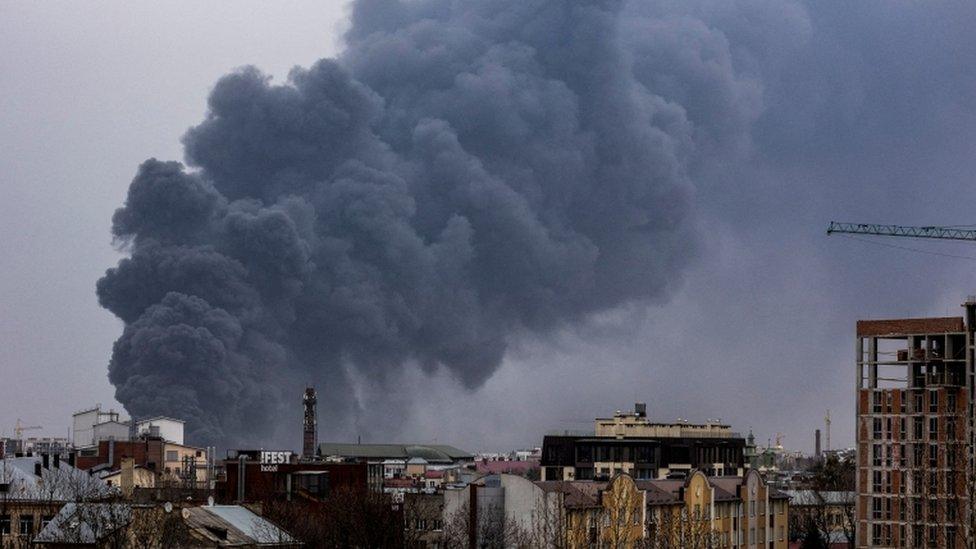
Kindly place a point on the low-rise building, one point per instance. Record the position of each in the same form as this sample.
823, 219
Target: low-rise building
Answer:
697, 511
630, 443
32, 490
86, 433
166, 428
255, 476
385, 461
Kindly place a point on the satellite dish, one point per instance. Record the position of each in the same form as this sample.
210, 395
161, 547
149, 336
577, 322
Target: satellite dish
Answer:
210, 501
168, 507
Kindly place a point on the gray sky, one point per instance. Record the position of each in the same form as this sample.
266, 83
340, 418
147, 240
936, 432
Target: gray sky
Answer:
863, 113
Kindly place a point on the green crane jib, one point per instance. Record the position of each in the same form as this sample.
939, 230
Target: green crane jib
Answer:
944, 233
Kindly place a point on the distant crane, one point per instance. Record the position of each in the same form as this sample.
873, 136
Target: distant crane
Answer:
944, 233
20, 428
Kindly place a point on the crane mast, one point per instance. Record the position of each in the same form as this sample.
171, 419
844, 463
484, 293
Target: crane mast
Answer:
943, 233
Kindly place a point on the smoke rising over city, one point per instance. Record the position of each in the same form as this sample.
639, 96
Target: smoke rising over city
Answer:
462, 174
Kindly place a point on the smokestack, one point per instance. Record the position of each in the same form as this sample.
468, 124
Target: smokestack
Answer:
816, 451
309, 424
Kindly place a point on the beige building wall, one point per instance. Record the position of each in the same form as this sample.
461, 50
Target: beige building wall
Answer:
173, 461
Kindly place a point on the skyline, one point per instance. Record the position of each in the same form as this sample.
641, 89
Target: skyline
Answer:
89, 107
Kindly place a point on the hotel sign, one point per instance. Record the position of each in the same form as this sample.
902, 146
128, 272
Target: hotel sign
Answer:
271, 460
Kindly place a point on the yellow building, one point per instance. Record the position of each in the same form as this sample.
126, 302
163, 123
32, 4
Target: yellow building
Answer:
182, 462
696, 512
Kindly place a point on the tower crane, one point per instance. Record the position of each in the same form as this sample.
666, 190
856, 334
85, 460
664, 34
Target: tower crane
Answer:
20, 428
943, 233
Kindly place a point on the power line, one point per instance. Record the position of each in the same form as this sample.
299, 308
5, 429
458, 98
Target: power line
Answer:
908, 249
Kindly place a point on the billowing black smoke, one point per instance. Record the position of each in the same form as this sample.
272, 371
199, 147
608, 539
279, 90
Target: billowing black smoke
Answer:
466, 171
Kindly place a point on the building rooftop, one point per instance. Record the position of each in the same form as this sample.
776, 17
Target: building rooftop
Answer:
908, 326
84, 523
62, 483
238, 522
432, 453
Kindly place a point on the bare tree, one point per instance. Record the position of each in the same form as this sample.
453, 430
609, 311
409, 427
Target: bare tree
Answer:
674, 527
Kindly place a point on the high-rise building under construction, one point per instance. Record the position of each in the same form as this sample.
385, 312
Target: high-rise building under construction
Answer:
915, 430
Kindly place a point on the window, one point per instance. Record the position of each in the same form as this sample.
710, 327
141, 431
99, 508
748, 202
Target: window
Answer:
933, 402
888, 458
888, 428
876, 481
877, 428
876, 508
5, 525
902, 457
933, 428
918, 408
902, 424
45, 520
172, 455
26, 525
950, 403
917, 423
950, 427
876, 402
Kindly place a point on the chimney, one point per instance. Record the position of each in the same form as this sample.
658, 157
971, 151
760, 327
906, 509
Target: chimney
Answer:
46, 460
111, 453
816, 451
241, 477
640, 409
37, 469
71, 458
57, 461
309, 425
128, 476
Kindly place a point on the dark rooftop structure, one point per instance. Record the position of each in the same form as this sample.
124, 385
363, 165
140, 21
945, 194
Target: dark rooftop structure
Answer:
432, 453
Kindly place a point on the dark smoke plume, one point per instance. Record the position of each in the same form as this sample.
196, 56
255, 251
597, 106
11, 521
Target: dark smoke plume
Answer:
465, 172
